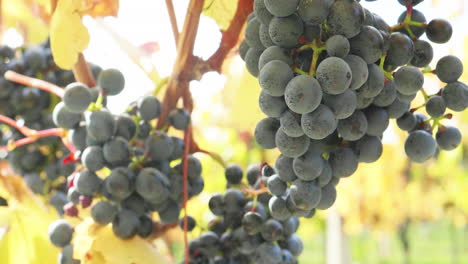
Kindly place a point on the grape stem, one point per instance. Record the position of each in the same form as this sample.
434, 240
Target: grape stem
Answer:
173, 19
255, 192
59, 132
33, 82
83, 73
187, 143
388, 75
24, 130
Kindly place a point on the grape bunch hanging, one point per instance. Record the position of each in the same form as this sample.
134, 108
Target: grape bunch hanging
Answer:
41, 164
332, 76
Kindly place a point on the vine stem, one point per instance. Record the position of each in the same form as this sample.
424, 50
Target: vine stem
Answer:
33, 82
187, 144
178, 82
83, 73
173, 19
24, 130
28, 140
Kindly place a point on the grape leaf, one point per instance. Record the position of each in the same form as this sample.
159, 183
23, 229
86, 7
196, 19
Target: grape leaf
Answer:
98, 245
68, 35
222, 11
100, 8
19, 15
24, 223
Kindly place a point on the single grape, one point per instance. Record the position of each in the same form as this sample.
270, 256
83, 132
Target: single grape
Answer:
320, 123
291, 124
278, 209
87, 183
342, 105
291, 146
152, 185
409, 80
274, 77
77, 97
397, 109
276, 185
377, 121
261, 12
284, 168
423, 53
303, 94
449, 69
274, 53
281, 8
328, 197
359, 71
439, 31
334, 75
251, 60
435, 106
343, 162
285, 31
120, 183
400, 52
420, 146
125, 224
116, 152
233, 174
448, 137
368, 149
100, 125
337, 46
60, 233
309, 166
305, 195
345, 18
126, 127
368, 44
387, 96
93, 158
191, 223
353, 127
65, 118
314, 12
265, 132
149, 107
243, 48
374, 84
159, 146
111, 81
103, 212
455, 96
252, 35
179, 119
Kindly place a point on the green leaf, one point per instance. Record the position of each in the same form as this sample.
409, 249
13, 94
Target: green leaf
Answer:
222, 11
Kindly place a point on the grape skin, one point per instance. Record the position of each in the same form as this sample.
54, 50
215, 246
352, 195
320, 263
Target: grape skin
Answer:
251, 60
345, 18
314, 12
281, 8
423, 53
449, 69
439, 31
291, 124
252, 35
342, 105
343, 162
353, 127
274, 77
285, 31
368, 44
377, 121
455, 96
334, 75
274, 53
272, 106
435, 106
374, 84
338, 46
359, 71
303, 94
319, 123
420, 146
111, 81
309, 166
265, 132
448, 138
290, 146
409, 80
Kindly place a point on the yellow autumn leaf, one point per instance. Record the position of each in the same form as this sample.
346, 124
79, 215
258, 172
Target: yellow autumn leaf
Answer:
68, 35
222, 11
17, 14
94, 244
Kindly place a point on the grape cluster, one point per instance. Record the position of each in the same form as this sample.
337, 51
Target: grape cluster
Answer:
248, 227
41, 163
332, 75
129, 168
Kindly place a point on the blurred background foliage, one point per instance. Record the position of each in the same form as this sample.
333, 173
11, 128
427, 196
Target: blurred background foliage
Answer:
391, 211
